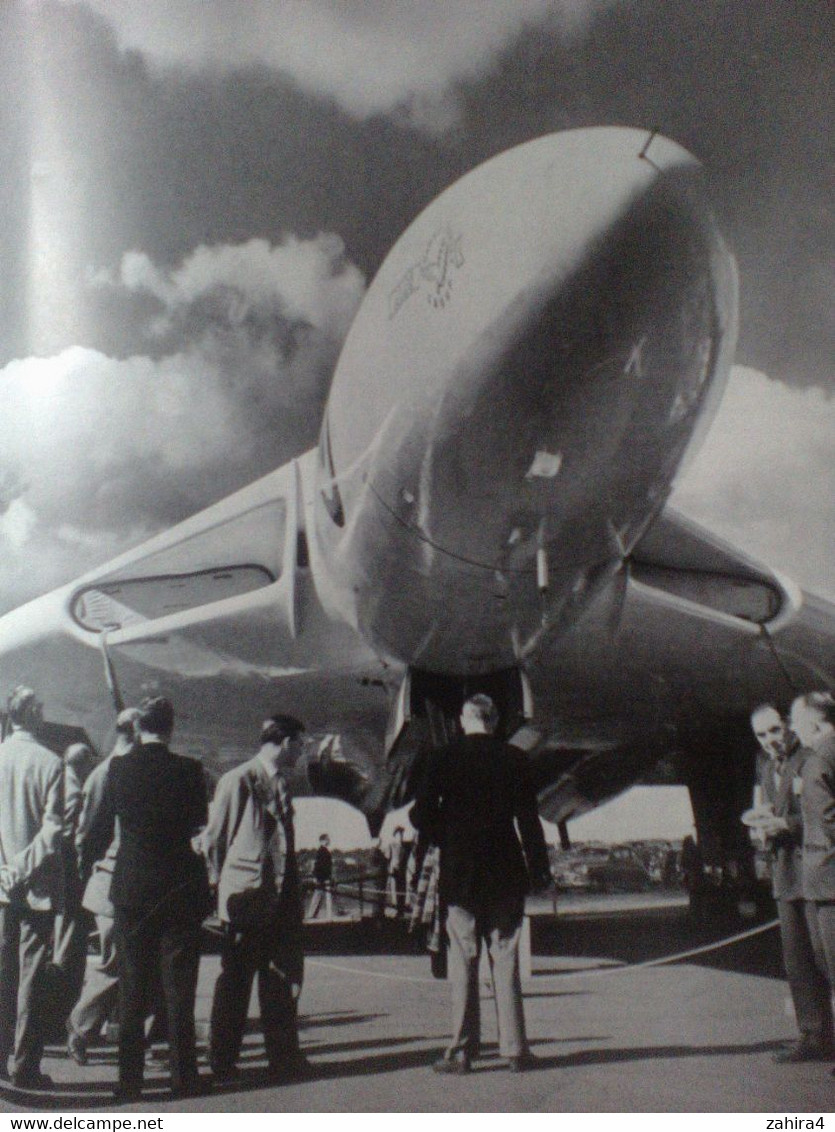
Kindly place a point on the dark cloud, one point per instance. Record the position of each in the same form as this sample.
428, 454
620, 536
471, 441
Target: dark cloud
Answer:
117, 167
164, 160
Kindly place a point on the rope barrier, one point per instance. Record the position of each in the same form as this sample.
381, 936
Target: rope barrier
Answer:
597, 972
676, 957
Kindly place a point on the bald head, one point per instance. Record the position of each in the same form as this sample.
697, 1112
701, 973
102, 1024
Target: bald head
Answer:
771, 731
813, 718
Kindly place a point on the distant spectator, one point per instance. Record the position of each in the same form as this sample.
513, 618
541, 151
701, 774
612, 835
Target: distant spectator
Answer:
398, 853
323, 893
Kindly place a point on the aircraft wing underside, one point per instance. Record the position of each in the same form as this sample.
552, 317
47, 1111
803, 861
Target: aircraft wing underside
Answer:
223, 614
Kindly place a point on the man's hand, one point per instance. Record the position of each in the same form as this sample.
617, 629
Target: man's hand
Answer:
773, 827
9, 878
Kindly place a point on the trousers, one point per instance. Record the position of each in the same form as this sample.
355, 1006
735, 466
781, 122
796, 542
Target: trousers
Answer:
259, 949
820, 916
163, 945
499, 924
24, 943
101, 986
807, 978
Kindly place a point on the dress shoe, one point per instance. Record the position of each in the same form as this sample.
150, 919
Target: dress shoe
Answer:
522, 1063
32, 1079
456, 1066
76, 1047
127, 1094
296, 1068
803, 1051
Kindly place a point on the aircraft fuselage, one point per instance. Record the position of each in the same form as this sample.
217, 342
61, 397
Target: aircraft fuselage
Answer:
517, 393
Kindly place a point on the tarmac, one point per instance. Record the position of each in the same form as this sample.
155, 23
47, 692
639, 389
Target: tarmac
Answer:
611, 1034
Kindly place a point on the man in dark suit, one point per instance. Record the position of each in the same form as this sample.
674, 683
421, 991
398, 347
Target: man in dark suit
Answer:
471, 795
323, 876
813, 721
250, 846
778, 774
159, 892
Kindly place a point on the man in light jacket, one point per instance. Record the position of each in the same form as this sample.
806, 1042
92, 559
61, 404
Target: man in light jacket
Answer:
31, 814
250, 846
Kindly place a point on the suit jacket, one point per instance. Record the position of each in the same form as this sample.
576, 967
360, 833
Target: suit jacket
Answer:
786, 849
159, 800
471, 795
250, 839
31, 815
97, 873
818, 801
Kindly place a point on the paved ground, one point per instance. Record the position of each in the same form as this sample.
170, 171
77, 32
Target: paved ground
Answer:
679, 1038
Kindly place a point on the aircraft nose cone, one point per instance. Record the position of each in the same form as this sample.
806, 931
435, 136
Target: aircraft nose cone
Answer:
534, 356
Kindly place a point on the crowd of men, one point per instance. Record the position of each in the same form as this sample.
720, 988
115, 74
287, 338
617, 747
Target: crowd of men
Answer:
133, 843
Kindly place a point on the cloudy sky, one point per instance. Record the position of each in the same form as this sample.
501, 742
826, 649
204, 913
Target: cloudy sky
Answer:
195, 195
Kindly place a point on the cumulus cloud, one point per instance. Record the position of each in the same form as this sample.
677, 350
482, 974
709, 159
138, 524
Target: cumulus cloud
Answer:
99, 452
765, 477
371, 56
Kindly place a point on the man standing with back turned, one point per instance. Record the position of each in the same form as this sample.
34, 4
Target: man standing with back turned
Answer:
779, 781
30, 885
159, 892
472, 793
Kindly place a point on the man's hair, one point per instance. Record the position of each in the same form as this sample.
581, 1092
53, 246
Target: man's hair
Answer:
280, 727
484, 708
760, 708
77, 753
155, 716
126, 720
822, 703
324, 837
20, 704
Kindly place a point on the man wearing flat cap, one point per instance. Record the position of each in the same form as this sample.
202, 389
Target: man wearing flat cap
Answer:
250, 846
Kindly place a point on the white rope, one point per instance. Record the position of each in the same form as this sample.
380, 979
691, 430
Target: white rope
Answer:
615, 969
372, 974
625, 968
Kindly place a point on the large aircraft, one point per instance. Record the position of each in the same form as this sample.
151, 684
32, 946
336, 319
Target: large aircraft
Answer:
535, 361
